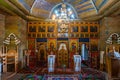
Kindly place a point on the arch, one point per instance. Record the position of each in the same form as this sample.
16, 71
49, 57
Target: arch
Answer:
12, 60
7, 40
11, 52
62, 45
110, 41
58, 5
11, 55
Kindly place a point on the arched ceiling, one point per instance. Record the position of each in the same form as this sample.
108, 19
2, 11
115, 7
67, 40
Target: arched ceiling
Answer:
40, 9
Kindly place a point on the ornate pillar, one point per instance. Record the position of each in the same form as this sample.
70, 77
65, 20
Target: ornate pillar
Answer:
28, 56
16, 59
4, 55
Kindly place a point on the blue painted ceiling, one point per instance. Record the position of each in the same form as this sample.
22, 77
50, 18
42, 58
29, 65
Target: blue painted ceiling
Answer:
42, 8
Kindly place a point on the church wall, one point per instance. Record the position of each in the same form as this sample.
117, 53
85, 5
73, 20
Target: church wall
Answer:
17, 25
2, 30
108, 25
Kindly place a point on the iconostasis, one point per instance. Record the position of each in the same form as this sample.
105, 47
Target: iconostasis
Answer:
71, 35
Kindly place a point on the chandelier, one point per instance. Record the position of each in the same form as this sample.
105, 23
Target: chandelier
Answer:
63, 13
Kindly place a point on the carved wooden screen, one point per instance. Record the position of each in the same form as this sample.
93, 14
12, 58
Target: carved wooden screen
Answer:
62, 56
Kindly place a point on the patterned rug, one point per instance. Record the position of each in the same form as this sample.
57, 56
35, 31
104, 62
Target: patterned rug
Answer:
85, 74
61, 77
27, 70
92, 74
31, 77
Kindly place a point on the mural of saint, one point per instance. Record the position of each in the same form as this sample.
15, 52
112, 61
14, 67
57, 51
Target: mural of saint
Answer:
84, 28
52, 47
41, 29
62, 49
32, 29
93, 28
75, 29
73, 46
51, 29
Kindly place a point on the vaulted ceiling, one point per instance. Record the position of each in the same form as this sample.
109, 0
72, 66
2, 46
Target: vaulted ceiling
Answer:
40, 9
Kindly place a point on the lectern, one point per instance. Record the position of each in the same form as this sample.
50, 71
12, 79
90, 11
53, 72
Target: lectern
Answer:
113, 67
51, 63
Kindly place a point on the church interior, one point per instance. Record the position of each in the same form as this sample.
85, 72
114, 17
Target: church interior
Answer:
59, 39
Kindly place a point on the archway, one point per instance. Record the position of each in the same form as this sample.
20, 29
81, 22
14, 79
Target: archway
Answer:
11, 61
10, 53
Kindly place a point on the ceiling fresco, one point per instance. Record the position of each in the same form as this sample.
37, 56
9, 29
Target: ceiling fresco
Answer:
29, 2
86, 9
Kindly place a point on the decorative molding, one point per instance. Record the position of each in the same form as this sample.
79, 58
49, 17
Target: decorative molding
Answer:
7, 40
110, 41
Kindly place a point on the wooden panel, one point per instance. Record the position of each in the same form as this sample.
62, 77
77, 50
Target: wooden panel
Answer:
76, 30
37, 29
51, 45
73, 48
31, 44
112, 63
62, 54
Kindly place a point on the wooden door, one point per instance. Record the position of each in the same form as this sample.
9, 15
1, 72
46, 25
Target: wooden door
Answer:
62, 55
41, 55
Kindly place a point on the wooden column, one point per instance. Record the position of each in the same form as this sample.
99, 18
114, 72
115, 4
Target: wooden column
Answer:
16, 60
4, 53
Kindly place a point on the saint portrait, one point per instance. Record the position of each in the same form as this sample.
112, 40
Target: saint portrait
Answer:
93, 28
41, 29
32, 29
84, 28
51, 29
75, 29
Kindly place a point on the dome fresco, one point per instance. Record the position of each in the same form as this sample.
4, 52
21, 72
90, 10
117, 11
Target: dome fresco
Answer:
84, 8
42, 9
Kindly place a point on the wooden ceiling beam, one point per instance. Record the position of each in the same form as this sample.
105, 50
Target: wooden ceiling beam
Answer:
20, 7
6, 11
12, 8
